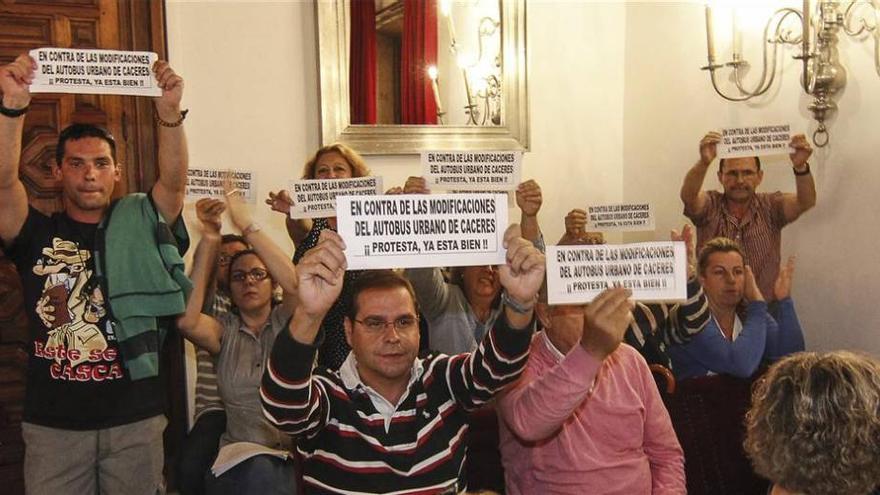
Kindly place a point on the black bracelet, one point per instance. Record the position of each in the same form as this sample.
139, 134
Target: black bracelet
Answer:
13, 112
806, 171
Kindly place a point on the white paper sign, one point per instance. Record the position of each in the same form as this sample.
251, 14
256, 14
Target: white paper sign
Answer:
317, 198
102, 72
628, 217
655, 271
422, 230
472, 171
208, 183
761, 140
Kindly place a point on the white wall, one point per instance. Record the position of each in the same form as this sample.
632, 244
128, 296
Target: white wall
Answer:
669, 105
617, 106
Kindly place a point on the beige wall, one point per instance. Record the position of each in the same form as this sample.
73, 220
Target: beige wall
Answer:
617, 106
669, 106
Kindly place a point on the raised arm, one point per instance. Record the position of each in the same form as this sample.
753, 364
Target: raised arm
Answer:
293, 400
529, 200
277, 261
537, 406
794, 205
170, 188
576, 230
692, 195
475, 378
432, 291
787, 337
14, 80
297, 229
197, 327
689, 318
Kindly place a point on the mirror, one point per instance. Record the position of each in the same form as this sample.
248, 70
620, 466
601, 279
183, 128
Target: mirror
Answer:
403, 76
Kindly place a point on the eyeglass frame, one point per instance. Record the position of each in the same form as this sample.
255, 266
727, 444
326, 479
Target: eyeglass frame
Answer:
385, 323
250, 274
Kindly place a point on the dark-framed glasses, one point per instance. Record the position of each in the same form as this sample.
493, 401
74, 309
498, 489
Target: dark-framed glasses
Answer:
401, 324
255, 274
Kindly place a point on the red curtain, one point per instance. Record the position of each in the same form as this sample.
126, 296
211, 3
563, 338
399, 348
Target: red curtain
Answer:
418, 51
362, 68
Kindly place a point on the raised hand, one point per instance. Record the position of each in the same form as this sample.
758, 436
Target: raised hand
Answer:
416, 185
709, 147
280, 201
782, 288
751, 290
605, 322
209, 211
690, 243
239, 212
15, 79
523, 273
801, 151
321, 272
576, 224
528, 197
168, 104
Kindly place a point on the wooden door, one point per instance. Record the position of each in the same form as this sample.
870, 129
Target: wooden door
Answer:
29, 24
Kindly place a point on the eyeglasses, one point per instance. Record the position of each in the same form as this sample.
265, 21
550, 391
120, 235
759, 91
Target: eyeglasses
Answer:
256, 274
402, 324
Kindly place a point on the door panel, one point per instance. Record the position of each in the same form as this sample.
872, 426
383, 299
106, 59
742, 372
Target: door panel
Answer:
29, 24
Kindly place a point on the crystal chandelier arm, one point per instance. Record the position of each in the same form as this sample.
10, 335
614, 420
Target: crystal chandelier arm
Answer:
770, 52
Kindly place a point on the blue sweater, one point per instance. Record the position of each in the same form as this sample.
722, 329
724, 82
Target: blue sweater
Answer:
762, 337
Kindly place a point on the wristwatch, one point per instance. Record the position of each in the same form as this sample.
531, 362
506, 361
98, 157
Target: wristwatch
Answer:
805, 171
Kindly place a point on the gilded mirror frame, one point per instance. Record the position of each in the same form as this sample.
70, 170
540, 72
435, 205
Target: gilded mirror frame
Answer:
512, 134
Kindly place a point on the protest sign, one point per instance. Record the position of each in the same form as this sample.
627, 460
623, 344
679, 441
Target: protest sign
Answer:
107, 72
628, 217
317, 198
762, 140
655, 271
208, 183
472, 171
422, 230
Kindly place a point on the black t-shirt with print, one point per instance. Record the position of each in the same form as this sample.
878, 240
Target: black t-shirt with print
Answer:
76, 378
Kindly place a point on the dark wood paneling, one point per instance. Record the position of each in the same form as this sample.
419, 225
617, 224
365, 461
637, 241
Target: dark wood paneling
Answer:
108, 24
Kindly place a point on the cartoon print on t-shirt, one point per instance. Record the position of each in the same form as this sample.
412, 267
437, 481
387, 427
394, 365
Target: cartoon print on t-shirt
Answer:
70, 306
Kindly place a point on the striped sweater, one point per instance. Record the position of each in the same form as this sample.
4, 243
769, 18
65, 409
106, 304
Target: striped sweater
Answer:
656, 326
342, 436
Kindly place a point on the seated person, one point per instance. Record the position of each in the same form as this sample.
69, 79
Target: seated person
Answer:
814, 427
655, 326
199, 450
388, 421
241, 341
741, 333
335, 161
462, 309
586, 416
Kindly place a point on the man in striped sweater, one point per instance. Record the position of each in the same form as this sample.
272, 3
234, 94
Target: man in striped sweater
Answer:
389, 422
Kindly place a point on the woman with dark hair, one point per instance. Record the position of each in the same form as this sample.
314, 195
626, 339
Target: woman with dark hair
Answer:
253, 453
335, 161
741, 332
814, 425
